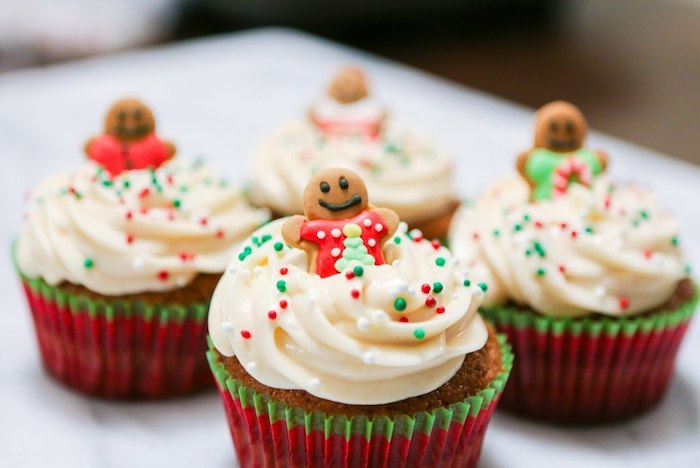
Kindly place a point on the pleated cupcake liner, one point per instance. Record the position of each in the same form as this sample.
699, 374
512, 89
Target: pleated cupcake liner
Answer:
267, 432
590, 369
116, 348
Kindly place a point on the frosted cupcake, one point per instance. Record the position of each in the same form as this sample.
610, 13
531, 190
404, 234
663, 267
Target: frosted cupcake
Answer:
338, 338
585, 276
347, 127
119, 259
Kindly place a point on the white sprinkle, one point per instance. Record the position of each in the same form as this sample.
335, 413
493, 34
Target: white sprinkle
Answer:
314, 384
335, 251
251, 366
138, 263
600, 291
368, 357
477, 291
395, 263
233, 270
378, 227
335, 233
403, 226
245, 273
257, 269
367, 222
321, 234
362, 324
416, 233
372, 242
181, 281
226, 327
455, 261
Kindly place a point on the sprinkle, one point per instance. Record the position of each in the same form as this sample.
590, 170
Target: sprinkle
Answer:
496, 232
528, 252
144, 193
419, 333
484, 287
518, 228
425, 288
540, 271
284, 304
284, 271
372, 242
378, 227
467, 283
440, 310
314, 384
220, 234
400, 304
397, 240
185, 256
355, 293
437, 287
278, 246
272, 315
245, 334
281, 285
226, 327
539, 224
588, 229
88, 263
367, 222
436, 244
430, 301
126, 183
644, 214
647, 253
128, 215
321, 234
562, 268
563, 225
526, 217
403, 319
368, 357
475, 235
539, 249
440, 261
358, 271
675, 240
349, 275
362, 324
177, 203
163, 275
623, 302
335, 233
335, 251
574, 234
129, 238
203, 221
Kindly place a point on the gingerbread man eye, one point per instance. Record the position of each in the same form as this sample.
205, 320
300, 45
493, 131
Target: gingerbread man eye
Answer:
569, 126
137, 114
553, 126
343, 183
121, 115
325, 187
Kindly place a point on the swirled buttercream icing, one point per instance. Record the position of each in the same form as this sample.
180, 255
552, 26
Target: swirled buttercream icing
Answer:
369, 335
143, 230
403, 171
608, 249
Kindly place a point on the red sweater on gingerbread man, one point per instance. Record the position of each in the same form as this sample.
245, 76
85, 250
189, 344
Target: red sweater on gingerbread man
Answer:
117, 156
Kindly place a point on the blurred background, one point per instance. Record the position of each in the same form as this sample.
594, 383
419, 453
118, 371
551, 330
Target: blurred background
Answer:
633, 66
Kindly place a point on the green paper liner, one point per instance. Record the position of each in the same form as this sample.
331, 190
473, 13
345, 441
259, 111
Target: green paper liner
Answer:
117, 348
591, 369
266, 432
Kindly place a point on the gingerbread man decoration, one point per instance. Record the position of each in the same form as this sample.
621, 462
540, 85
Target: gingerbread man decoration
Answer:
347, 108
129, 140
558, 158
340, 228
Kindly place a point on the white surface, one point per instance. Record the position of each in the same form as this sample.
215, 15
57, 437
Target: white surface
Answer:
217, 98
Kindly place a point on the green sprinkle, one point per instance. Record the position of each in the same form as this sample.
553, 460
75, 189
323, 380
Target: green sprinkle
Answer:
265, 238
278, 246
126, 183
517, 228
88, 263
391, 147
419, 333
106, 182
688, 269
539, 249
644, 214
496, 233
281, 285
528, 252
675, 240
440, 261
400, 304
635, 223
397, 240
467, 283
484, 287
437, 287
246, 251
526, 217
183, 189
588, 229
177, 203
358, 271
540, 271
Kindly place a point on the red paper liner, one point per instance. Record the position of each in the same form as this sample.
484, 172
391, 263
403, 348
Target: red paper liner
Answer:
119, 349
589, 370
266, 432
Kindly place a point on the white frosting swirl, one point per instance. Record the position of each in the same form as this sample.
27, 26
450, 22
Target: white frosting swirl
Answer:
312, 333
403, 171
141, 231
608, 249
364, 110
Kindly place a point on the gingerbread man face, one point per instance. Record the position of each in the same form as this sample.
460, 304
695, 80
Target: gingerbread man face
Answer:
334, 193
129, 120
350, 85
560, 127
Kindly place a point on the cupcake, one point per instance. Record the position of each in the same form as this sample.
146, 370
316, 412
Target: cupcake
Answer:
347, 127
585, 276
119, 258
340, 338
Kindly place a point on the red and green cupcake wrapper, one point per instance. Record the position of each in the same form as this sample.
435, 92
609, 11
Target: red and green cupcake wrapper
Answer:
266, 432
591, 369
116, 348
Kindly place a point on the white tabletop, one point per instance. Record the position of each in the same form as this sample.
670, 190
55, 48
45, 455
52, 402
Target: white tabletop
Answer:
217, 98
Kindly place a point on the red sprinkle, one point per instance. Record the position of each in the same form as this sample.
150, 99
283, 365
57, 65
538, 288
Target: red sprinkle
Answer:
349, 275
430, 301
204, 221
220, 234
169, 178
624, 302
562, 268
245, 334
403, 319
185, 256
163, 275
647, 253
283, 304
272, 315
425, 288
355, 293
128, 215
475, 235
607, 203
574, 234
171, 215
144, 193
563, 225
538, 224
436, 244
143, 209
440, 310
129, 238
284, 271
418, 238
